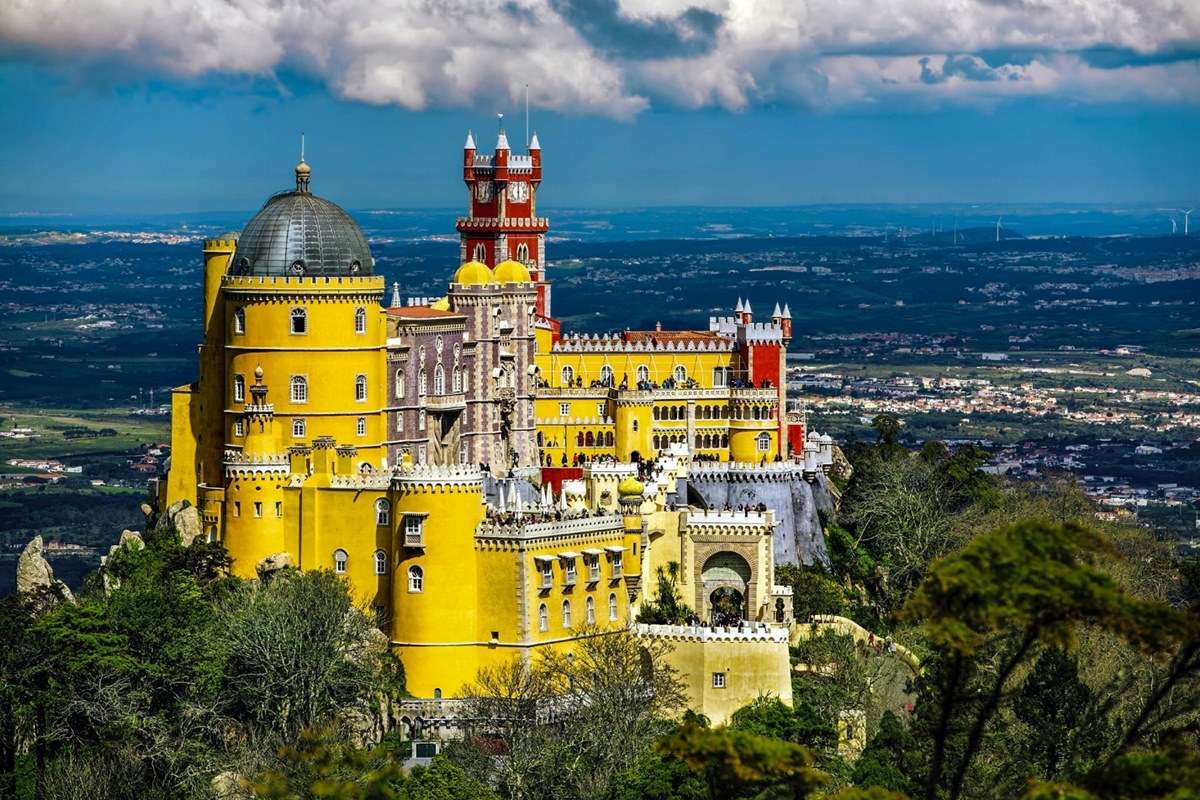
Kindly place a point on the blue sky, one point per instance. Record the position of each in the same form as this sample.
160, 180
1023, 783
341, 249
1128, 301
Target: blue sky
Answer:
637, 102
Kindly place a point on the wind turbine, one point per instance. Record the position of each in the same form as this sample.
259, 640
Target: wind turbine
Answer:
998, 221
1186, 214
1175, 221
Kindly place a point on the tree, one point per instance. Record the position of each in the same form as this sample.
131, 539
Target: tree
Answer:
1058, 708
804, 725
667, 607
892, 758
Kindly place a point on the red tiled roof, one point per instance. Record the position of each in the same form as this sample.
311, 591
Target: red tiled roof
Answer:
420, 312
670, 336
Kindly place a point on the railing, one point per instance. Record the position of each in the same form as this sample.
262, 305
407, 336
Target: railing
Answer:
446, 402
414, 539
547, 580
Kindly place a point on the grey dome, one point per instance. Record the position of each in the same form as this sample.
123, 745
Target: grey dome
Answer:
298, 233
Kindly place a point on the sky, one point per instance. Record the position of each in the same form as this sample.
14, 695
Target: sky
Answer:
142, 106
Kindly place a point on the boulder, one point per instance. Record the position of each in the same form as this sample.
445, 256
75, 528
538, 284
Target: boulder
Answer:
35, 577
167, 518
187, 524
229, 786
841, 468
272, 564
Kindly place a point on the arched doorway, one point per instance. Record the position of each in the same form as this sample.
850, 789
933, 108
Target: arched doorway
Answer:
725, 579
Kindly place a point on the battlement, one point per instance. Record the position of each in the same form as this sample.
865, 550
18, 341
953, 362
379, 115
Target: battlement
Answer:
574, 421
220, 244
697, 633
763, 333
736, 518
537, 224
326, 283
363, 480
431, 476
493, 528
239, 463
615, 343
614, 470
744, 471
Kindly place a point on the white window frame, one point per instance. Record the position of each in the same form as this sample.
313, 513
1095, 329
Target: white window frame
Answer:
607, 374
341, 561
299, 428
679, 373
239, 388
360, 320
567, 375
643, 372
399, 388
301, 382
416, 579
360, 388
589, 606
420, 419
360, 426
298, 314
383, 512
612, 607
718, 680
239, 321
564, 409
719, 378
439, 379
457, 380
422, 383
239, 428
763, 442
570, 573
601, 410
566, 614
547, 570
414, 525
381, 562
543, 618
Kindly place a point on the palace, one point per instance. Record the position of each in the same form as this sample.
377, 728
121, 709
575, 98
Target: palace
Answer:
488, 483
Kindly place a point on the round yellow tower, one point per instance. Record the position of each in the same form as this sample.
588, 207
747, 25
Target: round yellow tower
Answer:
254, 479
435, 601
634, 425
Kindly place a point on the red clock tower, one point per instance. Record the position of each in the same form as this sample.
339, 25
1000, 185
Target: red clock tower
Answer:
502, 221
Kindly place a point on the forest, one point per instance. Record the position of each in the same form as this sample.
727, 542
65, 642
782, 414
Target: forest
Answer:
1059, 658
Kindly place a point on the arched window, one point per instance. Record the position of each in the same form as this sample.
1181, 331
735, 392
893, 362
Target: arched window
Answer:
299, 428
360, 426
299, 321
589, 440
360, 320
612, 607
699, 442
360, 388
674, 412
719, 377
439, 380
239, 320
764, 442
608, 439
523, 253
590, 607
480, 252
340, 559
416, 579
299, 387
568, 376
680, 373
380, 562
422, 383
643, 373
543, 618
579, 439
606, 375
458, 386
383, 512
399, 383
654, 441
239, 389
566, 613
724, 440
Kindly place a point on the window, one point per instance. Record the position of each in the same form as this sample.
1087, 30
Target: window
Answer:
279, 509
380, 562
593, 565
339, 561
643, 373
606, 375
635, 426
422, 383
458, 385
383, 512
566, 614
399, 383
414, 528
547, 574
360, 388
590, 606
299, 386
543, 618
612, 607
299, 321
617, 564
239, 428
360, 426
764, 443
601, 410
564, 409
237, 508
299, 428
257, 509
719, 377
523, 253
439, 380
239, 321
569, 571
480, 252
680, 373
421, 419
360, 320
239, 389
568, 376
718, 680
416, 579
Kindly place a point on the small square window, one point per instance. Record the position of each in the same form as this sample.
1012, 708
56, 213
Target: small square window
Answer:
278, 509
601, 410
239, 428
564, 409
718, 680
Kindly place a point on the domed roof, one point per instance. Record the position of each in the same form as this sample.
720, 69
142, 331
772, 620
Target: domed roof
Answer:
630, 487
298, 233
512, 272
473, 273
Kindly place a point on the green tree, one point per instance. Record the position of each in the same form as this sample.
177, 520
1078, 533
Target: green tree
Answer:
804, 725
1059, 710
891, 760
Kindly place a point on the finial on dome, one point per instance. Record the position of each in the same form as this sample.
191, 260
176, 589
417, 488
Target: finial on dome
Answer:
502, 139
258, 374
303, 171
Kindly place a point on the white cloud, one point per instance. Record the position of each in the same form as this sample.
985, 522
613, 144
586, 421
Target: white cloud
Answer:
616, 57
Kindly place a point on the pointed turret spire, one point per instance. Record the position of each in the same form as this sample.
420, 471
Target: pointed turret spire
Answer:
534, 144
501, 139
303, 171
740, 308
776, 314
787, 312
470, 143
396, 294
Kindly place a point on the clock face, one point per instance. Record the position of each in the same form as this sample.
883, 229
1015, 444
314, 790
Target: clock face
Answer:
518, 191
483, 191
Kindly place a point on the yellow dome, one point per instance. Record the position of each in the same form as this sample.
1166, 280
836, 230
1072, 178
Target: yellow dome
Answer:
630, 487
441, 304
473, 273
512, 272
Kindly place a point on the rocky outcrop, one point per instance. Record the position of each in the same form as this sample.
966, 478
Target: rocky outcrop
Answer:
229, 786
187, 524
272, 564
130, 540
35, 577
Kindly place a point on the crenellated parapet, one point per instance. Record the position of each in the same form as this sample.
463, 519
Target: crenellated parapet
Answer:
745, 472
615, 343
698, 633
437, 478
287, 288
242, 465
510, 528
733, 521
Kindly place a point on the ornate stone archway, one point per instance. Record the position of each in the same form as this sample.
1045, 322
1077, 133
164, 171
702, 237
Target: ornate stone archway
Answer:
722, 573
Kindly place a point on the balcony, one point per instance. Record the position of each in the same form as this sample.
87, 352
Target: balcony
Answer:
456, 401
414, 539
547, 580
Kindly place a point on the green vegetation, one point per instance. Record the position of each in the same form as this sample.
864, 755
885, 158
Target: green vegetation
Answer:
1060, 658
